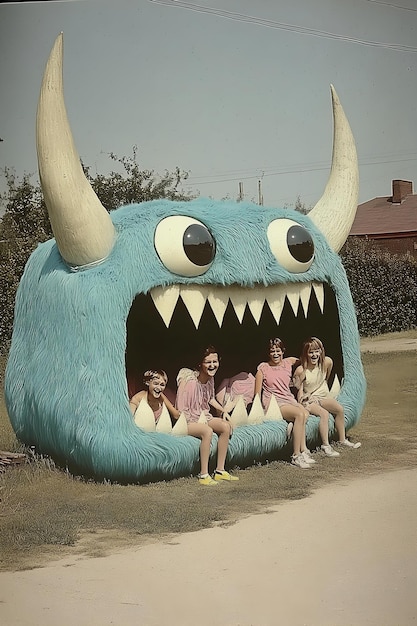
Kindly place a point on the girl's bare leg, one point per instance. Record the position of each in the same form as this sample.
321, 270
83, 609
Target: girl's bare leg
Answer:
205, 433
323, 414
222, 429
336, 409
298, 415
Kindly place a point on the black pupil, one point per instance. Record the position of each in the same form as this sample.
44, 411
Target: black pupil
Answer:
198, 245
300, 244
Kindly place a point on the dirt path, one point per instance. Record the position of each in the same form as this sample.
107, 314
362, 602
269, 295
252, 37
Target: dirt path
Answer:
343, 557
381, 344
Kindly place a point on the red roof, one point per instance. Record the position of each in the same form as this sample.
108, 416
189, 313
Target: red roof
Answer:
381, 216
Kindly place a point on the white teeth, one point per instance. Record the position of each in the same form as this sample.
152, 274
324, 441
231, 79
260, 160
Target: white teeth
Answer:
273, 413
256, 303
319, 291
276, 301
334, 391
180, 428
293, 296
165, 300
164, 424
196, 296
305, 292
239, 417
239, 300
144, 417
195, 300
256, 414
218, 300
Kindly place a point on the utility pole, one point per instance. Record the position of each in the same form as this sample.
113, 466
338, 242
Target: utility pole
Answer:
260, 196
240, 196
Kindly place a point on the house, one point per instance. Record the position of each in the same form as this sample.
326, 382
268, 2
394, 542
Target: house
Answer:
390, 221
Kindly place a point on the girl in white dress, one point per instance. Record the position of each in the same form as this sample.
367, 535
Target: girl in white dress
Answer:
311, 377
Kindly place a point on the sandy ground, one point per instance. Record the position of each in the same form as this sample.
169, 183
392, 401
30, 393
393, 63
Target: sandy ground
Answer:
346, 556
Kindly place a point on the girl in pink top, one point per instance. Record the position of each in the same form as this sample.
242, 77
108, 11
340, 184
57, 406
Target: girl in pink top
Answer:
273, 378
195, 396
155, 381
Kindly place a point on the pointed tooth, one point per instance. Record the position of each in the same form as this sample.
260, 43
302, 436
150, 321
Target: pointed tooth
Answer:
293, 296
256, 303
256, 414
238, 299
273, 413
334, 391
319, 291
305, 293
239, 416
165, 300
164, 424
275, 300
144, 417
194, 299
218, 299
180, 428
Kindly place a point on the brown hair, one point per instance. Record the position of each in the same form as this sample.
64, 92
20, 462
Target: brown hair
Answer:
276, 342
205, 353
315, 343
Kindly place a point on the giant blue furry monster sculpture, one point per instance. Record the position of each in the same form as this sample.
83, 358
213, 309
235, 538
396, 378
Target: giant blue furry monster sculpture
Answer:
112, 295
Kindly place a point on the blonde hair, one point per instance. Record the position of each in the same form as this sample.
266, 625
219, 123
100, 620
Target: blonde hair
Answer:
315, 344
150, 374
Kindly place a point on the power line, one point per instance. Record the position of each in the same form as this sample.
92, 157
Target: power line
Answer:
241, 17
301, 169
389, 4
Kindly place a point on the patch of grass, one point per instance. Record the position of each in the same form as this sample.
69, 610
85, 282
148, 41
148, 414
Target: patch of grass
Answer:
47, 513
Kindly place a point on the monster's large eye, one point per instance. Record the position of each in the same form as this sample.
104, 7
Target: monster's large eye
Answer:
184, 245
291, 244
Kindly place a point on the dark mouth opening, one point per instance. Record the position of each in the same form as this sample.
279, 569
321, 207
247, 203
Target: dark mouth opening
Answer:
241, 346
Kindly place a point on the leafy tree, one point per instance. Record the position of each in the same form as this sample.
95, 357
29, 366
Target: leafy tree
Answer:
25, 222
135, 185
301, 207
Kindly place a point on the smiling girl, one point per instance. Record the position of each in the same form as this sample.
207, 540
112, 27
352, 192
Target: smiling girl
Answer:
313, 392
155, 381
273, 378
196, 394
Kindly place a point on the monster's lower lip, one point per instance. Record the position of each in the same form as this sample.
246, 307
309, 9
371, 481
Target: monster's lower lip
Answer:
237, 321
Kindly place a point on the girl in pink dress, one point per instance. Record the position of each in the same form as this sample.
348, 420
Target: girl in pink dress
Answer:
195, 396
155, 381
273, 378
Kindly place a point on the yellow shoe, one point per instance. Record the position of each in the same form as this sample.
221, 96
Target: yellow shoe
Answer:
206, 480
224, 476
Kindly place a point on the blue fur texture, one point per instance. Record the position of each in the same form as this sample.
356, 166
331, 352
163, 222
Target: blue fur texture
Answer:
66, 382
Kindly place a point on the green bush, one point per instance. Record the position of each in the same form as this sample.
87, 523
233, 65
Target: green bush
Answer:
383, 287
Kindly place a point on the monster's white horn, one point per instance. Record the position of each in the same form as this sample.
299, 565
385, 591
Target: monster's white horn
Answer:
82, 227
335, 211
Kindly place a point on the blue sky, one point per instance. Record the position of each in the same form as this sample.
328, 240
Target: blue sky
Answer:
231, 90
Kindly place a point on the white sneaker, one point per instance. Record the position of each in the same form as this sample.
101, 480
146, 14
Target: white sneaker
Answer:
349, 444
306, 454
298, 461
328, 450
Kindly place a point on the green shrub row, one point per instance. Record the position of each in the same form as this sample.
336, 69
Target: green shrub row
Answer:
383, 287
